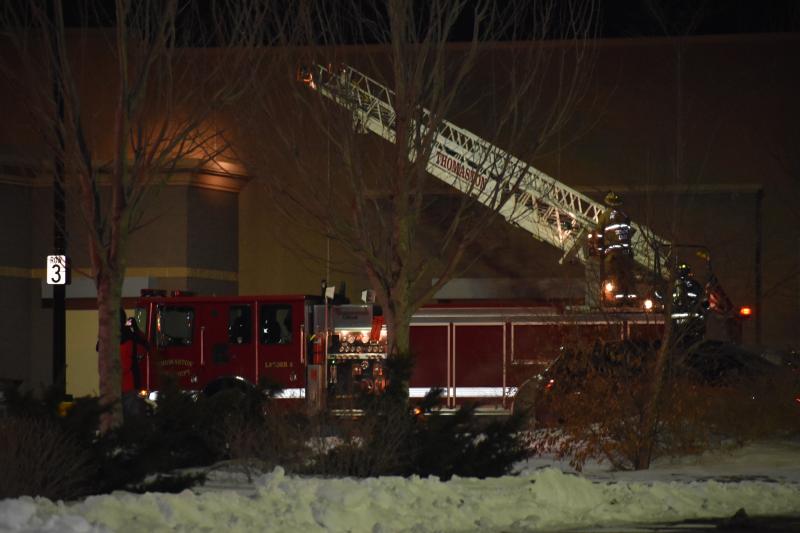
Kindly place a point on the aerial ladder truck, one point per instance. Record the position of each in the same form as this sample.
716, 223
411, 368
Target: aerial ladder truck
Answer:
546, 208
323, 351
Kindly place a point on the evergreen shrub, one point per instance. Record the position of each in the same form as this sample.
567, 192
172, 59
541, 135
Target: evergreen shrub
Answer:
40, 458
395, 437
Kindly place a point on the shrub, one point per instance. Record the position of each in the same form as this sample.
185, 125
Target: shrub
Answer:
247, 427
39, 458
708, 399
762, 408
600, 400
462, 444
378, 442
182, 432
390, 439
277, 437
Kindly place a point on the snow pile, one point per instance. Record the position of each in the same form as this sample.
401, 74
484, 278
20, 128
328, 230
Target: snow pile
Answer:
777, 461
546, 498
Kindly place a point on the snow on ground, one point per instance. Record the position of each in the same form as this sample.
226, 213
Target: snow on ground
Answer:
764, 479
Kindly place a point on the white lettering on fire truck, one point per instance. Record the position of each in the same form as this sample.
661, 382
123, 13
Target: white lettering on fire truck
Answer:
278, 364
465, 173
176, 362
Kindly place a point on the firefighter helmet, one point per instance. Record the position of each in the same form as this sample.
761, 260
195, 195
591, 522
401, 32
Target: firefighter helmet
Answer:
612, 199
684, 270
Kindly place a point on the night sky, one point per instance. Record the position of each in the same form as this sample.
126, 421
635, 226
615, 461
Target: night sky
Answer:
618, 18
635, 18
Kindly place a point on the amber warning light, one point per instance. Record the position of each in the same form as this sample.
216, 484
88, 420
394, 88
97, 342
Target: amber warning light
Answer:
745, 312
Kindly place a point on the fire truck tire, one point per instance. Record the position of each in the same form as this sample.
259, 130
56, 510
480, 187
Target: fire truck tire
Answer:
228, 383
525, 401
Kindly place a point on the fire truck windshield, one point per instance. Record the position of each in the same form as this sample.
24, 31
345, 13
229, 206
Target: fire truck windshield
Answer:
140, 315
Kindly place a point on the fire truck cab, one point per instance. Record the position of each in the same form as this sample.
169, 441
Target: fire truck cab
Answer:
206, 343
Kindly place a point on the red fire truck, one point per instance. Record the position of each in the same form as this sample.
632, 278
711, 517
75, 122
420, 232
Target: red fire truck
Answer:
478, 351
474, 350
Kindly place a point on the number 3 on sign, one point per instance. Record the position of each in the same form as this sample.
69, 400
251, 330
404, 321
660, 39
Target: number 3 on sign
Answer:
56, 269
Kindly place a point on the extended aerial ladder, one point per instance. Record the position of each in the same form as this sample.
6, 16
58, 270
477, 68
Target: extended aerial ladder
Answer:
549, 210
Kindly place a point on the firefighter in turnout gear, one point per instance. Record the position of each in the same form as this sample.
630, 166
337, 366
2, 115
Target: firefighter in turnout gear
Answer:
689, 306
132, 344
613, 244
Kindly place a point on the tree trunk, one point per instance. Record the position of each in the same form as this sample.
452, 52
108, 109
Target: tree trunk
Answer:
397, 315
109, 300
645, 454
402, 335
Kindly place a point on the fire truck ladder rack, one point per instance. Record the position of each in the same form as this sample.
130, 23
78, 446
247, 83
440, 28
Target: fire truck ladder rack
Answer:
549, 210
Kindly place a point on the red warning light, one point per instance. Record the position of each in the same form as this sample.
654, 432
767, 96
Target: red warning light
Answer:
745, 311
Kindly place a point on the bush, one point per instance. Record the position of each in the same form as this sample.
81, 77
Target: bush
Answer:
39, 458
65, 457
278, 437
369, 445
390, 438
762, 409
461, 444
708, 399
182, 432
605, 419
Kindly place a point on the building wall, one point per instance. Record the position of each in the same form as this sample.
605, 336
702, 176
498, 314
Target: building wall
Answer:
693, 159
689, 158
15, 280
181, 245
82, 376
729, 127
278, 257
212, 240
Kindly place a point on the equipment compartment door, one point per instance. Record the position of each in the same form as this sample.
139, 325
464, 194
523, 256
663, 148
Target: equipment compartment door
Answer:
280, 348
431, 346
534, 345
479, 362
645, 331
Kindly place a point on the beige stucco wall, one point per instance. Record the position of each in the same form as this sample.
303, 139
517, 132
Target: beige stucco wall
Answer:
276, 257
82, 377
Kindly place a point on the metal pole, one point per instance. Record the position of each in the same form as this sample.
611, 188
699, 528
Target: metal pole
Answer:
59, 216
324, 370
758, 273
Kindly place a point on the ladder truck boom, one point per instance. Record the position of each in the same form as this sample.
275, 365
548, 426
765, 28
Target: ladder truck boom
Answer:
549, 210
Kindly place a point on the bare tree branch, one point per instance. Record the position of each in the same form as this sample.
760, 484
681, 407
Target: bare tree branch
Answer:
376, 199
166, 89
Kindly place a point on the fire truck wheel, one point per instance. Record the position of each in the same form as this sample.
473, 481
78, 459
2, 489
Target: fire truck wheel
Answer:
525, 401
228, 383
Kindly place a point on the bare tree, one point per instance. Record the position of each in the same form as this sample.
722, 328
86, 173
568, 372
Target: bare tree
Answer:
671, 337
487, 67
164, 89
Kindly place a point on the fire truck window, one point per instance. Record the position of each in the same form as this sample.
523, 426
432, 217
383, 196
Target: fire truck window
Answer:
239, 324
175, 326
276, 324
